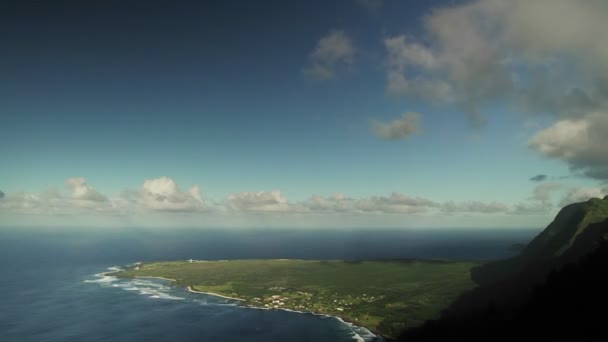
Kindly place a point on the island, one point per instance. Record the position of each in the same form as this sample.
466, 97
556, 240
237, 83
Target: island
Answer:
385, 296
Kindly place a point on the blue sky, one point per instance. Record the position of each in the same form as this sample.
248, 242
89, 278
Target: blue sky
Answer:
112, 112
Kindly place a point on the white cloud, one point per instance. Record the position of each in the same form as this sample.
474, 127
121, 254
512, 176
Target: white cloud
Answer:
261, 201
543, 192
582, 143
400, 128
163, 194
541, 200
531, 208
583, 194
395, 203
333, 52
546, 195
548, 56
82, 198
81, 191
334, 203
22, 202
474, 207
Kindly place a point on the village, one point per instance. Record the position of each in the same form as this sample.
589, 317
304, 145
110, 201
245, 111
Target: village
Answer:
349, 290
306, 301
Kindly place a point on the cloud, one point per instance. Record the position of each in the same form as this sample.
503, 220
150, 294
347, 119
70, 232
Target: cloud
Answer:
543, 197
396, 203
163, 194
473, 207
543, 192
542, 56
332, 53
261, 201
581, 143
540, 202
82, 198
531, 208
400, 128
583, 194
333, 203
539, 178
22, 202
81, 191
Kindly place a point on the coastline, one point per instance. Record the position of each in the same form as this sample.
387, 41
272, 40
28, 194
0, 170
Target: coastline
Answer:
151, 277
215, 294
341, 319
242, 304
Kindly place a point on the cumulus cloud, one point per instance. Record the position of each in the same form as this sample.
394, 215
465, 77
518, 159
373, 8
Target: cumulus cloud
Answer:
541, 200
261, 201
400, 128
81, 191
473, 207
539, 178
543, 192
333, 203
544, 56
582, 143
332, 53
546, 196
163, 194
531, 208
22, 202
82, 198
583, 194
395, 203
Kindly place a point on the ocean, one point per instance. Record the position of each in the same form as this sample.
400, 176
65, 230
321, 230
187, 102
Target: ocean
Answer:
53, 286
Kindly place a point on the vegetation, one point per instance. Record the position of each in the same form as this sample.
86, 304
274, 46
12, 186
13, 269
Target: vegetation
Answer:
567, 307
385, 296
567, 238
553, 291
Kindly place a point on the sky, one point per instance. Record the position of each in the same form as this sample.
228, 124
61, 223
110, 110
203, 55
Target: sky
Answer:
362, 113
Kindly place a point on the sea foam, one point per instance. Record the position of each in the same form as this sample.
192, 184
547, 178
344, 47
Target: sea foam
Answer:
155, 289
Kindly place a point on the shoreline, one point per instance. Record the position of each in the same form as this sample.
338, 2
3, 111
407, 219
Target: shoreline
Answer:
215, 294
151, 277
244, 305
341, 319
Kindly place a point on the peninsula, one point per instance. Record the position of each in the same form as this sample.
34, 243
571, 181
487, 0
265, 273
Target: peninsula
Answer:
385, 296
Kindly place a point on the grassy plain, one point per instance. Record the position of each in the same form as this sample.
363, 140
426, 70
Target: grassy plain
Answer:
385, 296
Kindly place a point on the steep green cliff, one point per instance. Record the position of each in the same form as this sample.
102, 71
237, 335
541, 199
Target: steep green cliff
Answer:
567, 238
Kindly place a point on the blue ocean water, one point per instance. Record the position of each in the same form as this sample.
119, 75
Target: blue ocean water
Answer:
52, 286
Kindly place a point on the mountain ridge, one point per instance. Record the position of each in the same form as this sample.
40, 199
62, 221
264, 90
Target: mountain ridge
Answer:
551, 291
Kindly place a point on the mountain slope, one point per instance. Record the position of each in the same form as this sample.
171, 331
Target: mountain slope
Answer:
557, 245
552, 291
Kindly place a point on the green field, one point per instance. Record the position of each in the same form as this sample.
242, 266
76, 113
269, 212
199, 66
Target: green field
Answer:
385, 296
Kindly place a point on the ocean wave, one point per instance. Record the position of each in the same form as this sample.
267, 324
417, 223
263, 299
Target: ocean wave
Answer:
359, 334
155, 289
102, 280
103, 277
146, 287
